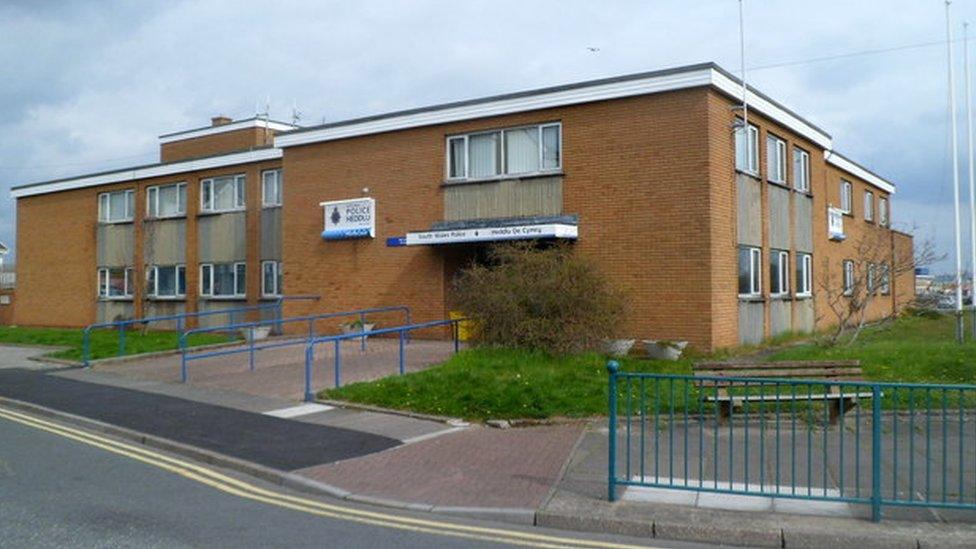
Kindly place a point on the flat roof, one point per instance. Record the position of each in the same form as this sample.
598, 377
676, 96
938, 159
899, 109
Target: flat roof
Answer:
853, 168
235, 125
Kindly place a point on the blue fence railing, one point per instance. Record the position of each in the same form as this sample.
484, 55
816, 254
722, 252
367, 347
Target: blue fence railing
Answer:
402, 333
179, 320
252, 346
862, 443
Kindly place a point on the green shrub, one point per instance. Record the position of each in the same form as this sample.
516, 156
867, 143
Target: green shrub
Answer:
542, 298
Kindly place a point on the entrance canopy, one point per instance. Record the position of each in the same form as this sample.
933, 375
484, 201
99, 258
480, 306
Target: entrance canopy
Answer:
493, 230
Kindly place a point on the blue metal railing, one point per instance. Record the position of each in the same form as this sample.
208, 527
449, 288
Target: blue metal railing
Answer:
251, 348
402, 333
874, 444
179, 319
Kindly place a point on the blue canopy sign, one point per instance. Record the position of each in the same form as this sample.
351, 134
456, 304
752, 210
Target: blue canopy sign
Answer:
353, 218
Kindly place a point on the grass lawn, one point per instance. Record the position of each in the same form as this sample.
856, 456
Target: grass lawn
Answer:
104, 343
486, 383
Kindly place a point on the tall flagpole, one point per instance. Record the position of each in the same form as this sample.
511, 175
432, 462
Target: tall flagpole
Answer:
742, 60
972, 175
955, 178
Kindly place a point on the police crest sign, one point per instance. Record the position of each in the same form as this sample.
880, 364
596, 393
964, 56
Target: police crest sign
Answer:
353, 218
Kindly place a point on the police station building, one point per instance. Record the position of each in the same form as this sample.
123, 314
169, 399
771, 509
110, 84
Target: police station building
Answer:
715, 235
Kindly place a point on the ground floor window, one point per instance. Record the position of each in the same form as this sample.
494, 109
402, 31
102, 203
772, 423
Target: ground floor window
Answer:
223, 279
115, 282
848, 277
166, 281
750, 269
271, 275
779, 273
885, 283
804, 275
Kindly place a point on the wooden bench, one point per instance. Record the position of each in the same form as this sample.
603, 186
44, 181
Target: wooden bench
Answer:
814, 370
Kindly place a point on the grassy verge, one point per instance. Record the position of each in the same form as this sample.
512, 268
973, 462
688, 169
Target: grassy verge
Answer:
485, 383
104, 343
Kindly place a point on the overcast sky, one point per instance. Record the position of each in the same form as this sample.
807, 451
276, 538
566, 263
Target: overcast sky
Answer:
88, 87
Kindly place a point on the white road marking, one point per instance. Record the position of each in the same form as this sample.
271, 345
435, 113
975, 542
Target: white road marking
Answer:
300, 410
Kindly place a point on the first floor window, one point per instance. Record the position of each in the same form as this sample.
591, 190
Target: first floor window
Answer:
848, 277
868, 206
801, 170
222, 194
271, 278
167, 281
115, 282
750, 267
775, 159
846, 196
746, 148
223, 279
166, 200
885, 282
271, 188
779, 272
804, 275
116, 206
514, 151
883, 211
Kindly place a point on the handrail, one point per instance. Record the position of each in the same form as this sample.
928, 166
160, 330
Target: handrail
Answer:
179, 318
251, 348
400, 330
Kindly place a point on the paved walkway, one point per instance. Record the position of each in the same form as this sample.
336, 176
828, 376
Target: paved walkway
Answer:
280, 372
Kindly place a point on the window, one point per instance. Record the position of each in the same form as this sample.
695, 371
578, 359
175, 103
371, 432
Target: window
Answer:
167, 281
271, 188
883, 211
868, 206
223, 279
804, 275
166, 200
848, 277
846, 196
515, 151
115, 283
750, 271
775, 159
872, 278
747, 148
222, 194
801, 170
885, 282
779, 273
116, 206
271, 275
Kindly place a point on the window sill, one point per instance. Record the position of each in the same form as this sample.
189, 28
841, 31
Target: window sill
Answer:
164, 299
754, 175
504, 177
164, 217
803, 297
218, 212
751, 298
127, 299
780, 184
270, 206
270, 297
781, 297
224, 297
124, 222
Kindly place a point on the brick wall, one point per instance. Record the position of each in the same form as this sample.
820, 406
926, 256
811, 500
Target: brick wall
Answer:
7, 310
209, 145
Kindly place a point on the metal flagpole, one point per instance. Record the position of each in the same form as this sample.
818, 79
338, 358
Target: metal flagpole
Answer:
972, 174
955, 178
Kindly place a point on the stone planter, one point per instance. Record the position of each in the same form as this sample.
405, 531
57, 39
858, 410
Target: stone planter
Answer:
617, 347
258, 333
664, 350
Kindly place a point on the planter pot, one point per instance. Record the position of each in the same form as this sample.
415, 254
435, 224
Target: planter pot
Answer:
350, 329
660, 350
259, 333
617, 347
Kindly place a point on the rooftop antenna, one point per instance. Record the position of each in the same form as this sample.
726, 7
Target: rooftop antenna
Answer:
266, 116
972, 173
955, 178
296, 114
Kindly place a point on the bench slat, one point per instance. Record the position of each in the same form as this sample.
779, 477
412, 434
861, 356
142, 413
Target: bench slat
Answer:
785, 364
776, 372
773, 397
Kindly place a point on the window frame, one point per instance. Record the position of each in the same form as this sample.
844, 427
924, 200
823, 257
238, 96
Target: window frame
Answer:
777, 145
279, 188
885, 282
501, 168
103, 283
804, 274
883, 211
240, 193
152, 282
869, 206
278, 271
848, 278
152, 201
755, 273
105, 207
780, 275
208, 281
846, 194
805, 165
752, 148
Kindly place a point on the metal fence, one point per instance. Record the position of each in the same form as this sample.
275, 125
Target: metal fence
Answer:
876, 444
402, 333
253, 346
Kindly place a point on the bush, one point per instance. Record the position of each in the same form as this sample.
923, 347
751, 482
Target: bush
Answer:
547, 299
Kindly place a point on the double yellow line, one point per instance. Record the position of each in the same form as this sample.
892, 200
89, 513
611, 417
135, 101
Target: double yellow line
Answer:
249, 491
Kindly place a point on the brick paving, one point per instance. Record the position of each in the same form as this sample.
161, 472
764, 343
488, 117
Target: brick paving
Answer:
476, 467
279, 372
